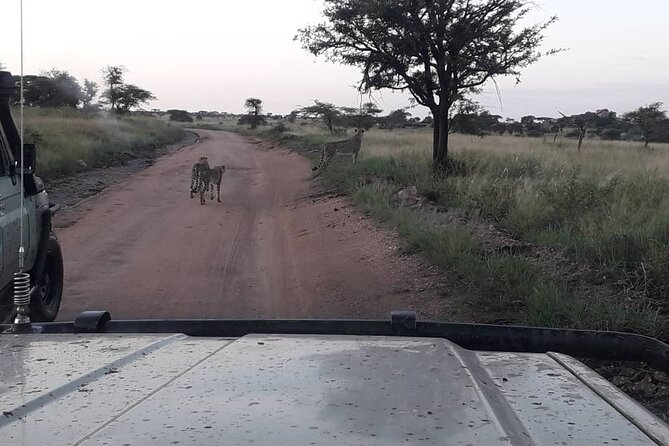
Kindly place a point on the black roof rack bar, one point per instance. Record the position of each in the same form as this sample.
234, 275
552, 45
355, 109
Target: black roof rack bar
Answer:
592, 344
604, 345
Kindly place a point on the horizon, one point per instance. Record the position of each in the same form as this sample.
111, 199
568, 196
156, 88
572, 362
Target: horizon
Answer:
212, 68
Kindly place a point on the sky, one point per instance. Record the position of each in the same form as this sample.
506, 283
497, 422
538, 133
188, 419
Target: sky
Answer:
213, 54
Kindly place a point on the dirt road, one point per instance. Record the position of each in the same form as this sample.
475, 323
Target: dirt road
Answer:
274, 248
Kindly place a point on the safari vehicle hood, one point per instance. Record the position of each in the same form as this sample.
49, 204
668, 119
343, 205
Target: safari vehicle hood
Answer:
160, 389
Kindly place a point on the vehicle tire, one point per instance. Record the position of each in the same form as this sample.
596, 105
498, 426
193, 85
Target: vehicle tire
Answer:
45, 302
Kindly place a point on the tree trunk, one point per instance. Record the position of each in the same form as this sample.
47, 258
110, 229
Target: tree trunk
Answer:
112, 95
255, 119
435, 139
581, 134
442, 140
329, 122
647, 137
435, 132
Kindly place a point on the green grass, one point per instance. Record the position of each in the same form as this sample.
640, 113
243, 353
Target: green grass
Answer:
72, 140
610, 216
505, 284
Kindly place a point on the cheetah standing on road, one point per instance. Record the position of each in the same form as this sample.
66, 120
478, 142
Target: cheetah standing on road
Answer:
203, 177
330, 149
215, 176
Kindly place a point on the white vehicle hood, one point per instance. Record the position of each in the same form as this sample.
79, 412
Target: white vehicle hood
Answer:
102, 389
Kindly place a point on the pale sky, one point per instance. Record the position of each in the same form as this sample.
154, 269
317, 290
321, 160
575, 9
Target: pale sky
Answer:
212, 54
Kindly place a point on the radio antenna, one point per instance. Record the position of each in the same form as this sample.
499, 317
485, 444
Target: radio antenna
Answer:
22, 291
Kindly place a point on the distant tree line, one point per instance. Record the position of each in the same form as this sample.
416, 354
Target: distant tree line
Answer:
58, 88
366, 116
648, 124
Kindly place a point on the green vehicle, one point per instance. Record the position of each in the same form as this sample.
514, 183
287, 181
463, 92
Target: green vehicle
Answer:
42, 259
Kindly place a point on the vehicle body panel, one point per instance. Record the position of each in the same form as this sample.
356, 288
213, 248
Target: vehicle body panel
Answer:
297, 389
10, 220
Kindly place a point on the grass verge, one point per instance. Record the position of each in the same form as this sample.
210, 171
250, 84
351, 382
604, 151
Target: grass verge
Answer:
73, 140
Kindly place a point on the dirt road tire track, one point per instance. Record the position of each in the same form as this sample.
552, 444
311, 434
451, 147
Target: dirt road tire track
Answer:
271, 249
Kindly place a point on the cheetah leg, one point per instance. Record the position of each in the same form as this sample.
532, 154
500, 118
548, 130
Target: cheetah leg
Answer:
211, 187
321, 165
218, 192
328, 159
202, 188
321, 161
355, 158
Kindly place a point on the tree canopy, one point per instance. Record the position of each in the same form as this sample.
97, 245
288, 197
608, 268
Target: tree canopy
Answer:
254, 108
179, 115
324, 110
120, 96
90, 91
113, 79
649, 119
131, 96
51, 88
395, 118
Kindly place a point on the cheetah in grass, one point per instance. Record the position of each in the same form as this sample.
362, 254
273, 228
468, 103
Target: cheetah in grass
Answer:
330, 149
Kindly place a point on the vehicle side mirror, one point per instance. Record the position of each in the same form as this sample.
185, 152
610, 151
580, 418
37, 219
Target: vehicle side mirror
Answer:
29, 158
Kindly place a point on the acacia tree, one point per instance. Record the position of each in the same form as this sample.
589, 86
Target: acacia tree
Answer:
89, 93
179, 115
367, 115
396, 118
648, 119
438, 50
254, 107
582, 122
63, 89
324, 110
120, 96
131, 96
113, 79
466, 119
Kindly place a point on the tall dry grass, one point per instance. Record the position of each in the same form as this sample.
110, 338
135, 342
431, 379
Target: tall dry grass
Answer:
71, 140
597, 157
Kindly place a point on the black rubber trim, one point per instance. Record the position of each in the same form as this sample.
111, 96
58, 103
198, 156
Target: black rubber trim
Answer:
91, 322
605, 345
578, 343
403, 323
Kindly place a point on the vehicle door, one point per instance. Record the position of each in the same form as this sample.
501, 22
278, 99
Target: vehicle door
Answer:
10, 216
